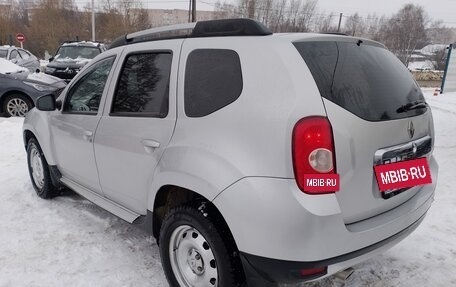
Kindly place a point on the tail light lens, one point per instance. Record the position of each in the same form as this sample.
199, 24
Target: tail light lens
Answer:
314, 272
313, 149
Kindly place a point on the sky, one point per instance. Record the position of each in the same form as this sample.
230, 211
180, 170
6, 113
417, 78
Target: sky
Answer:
436, 9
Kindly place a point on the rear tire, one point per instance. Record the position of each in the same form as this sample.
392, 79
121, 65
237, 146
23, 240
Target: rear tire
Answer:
193, 252
39, 171
17, 105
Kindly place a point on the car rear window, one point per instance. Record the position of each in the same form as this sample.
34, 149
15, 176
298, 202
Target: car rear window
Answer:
367, 80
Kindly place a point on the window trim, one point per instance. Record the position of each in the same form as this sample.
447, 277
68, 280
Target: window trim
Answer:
137, 114
66, 98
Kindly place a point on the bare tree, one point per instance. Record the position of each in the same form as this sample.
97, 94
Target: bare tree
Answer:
405, 31
438, 59
306, 16
278, 15
325, 24
13, 19
52, 22
225, 10
355, 25
437, 33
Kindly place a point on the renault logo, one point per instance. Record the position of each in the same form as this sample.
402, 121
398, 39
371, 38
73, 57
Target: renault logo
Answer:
411, 129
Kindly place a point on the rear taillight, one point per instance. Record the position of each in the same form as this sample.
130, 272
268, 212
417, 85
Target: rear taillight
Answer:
313, 149
313, 272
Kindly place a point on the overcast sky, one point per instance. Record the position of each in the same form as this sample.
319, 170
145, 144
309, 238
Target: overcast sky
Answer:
437, 9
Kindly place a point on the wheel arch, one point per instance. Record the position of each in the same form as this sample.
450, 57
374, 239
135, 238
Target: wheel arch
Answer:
170, 196
173, 196
27, 135
36, 125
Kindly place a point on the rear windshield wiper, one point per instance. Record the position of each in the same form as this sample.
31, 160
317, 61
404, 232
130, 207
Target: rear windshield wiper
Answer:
412, 106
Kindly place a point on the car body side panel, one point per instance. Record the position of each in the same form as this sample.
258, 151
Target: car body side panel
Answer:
228, 144
216, 150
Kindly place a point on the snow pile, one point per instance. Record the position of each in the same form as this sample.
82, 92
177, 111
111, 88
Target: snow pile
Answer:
432, 49
421, 65
70, 242
7, 67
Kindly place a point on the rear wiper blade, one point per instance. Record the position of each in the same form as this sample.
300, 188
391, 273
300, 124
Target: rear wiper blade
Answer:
412, 106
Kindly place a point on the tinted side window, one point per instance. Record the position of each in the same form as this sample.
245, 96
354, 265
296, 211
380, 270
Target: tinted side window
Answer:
143, 86
367, 80
85, 95
213, 80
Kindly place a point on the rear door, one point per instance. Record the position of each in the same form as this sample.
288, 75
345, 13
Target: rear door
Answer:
365, 90
138, 122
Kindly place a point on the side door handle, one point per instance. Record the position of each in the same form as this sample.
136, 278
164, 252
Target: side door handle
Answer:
150, 145
87, 136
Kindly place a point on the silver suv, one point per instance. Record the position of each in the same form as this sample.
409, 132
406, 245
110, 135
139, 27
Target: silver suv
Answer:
202, 133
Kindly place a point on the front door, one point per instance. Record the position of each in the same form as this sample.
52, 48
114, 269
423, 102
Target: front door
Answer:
74, 127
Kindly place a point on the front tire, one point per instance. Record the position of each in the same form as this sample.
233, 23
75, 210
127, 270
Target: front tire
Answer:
17, 105
39, 171
193, 252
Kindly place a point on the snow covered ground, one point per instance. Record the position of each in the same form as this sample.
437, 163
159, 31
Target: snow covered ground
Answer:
70, 242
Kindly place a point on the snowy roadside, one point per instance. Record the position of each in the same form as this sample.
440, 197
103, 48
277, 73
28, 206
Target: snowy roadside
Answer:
70, 242
67, 241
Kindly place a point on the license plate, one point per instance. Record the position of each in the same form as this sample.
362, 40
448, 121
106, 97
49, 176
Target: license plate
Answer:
396, 177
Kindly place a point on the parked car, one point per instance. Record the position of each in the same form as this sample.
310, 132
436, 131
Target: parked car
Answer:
204, 139
20, 57
19, 88
71, 57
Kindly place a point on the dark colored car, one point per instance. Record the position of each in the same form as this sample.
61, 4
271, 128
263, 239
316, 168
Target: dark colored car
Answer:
19, 88
20, 57
71, 57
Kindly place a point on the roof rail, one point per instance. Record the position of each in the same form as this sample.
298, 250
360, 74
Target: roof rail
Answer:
184, 28
211, 28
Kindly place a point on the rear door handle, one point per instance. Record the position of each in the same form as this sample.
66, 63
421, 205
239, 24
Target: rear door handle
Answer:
150, 145
87, 136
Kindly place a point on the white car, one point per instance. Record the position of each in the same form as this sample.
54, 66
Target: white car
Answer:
203, 133
20, 57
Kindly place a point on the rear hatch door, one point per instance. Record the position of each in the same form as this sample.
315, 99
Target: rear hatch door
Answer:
378, 115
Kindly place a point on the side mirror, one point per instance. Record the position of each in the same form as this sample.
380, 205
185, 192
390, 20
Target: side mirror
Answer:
46, 103
51, 59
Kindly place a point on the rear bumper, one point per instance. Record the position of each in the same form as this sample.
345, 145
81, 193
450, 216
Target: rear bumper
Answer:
271, 219
261, 271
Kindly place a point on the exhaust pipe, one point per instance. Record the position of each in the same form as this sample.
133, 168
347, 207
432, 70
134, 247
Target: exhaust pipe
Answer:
344, 274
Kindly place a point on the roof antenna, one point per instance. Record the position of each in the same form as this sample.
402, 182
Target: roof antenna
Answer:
359, 42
